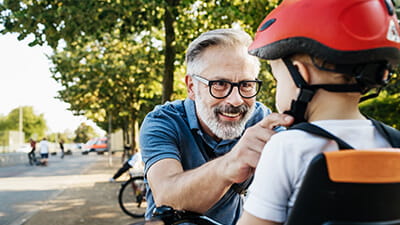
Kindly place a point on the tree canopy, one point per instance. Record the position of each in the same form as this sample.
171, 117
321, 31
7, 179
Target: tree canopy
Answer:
84, 133
34, 125
117, 59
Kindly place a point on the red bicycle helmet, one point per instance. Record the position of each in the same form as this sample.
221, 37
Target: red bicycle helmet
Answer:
361, 37
338, 31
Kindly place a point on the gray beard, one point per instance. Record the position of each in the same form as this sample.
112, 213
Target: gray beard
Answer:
222, 129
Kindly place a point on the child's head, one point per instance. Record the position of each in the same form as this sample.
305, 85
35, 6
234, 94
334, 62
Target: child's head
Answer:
329, 48
286, 90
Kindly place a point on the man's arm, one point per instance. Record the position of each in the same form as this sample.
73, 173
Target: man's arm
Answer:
199, 189
194, 190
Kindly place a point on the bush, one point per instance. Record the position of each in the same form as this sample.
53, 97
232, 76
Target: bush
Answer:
385, 108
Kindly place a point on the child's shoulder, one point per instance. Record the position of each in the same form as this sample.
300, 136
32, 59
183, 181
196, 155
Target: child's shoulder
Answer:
292, 136
292, 144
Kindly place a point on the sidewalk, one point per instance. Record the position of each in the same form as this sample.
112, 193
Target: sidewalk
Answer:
94, 202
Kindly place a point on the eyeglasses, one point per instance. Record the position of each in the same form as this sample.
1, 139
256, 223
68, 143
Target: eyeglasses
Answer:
222, 88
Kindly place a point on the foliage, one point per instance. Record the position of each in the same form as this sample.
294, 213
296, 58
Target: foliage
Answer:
66, 136
393, 86
111, 57
385, 108
120, 84
34, 126
267, 92
84, 133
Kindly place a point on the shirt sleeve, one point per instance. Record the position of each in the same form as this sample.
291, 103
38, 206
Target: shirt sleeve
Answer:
158, 139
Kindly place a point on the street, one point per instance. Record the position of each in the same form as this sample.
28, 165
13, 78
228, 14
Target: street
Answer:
26, 191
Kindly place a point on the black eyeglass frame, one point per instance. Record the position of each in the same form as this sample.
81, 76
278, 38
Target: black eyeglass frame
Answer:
209, 83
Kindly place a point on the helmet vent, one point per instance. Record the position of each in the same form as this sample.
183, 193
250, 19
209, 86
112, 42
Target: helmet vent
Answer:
267, 24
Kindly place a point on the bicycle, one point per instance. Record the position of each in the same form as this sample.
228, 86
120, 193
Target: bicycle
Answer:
132, 196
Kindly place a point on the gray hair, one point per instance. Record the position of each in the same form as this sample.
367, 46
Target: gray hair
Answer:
220, 37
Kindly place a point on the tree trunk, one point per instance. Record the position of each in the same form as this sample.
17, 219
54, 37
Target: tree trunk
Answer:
134, 132
170, 51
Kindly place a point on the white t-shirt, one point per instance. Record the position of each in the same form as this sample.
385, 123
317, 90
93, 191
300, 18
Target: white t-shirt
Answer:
286, 157
136, 163
44, 146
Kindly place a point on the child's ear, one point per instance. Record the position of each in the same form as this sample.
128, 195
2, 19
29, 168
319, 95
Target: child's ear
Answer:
303, 70
189, 86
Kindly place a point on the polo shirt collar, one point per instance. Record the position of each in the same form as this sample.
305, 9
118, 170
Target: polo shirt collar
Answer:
190, 109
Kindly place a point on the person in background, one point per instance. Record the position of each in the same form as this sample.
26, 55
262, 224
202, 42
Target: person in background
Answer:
31, 154
199, 151
62, 148
44, 151
322, 70
134, 160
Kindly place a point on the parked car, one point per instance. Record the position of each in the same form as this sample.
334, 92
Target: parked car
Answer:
98, 145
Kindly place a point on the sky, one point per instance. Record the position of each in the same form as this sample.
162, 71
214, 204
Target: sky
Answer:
25, 80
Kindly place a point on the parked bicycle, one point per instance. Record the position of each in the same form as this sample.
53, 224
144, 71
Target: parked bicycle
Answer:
132, 196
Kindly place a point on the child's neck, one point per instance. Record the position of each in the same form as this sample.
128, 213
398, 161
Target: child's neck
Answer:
334, 106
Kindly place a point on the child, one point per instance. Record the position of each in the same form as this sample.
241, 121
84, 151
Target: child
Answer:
325, 55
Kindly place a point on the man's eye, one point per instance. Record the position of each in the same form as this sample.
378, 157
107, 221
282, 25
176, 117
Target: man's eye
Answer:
248, 85
220, 85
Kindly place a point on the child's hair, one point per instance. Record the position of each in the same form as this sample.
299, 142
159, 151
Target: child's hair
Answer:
325, 68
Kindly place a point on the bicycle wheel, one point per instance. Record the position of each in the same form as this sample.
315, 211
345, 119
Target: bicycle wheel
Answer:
132, 197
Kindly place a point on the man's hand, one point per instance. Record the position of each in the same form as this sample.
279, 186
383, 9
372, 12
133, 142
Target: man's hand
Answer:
194, 192
241, 161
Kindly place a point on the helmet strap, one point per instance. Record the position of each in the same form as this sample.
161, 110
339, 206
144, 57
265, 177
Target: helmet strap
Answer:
368, 75
299, 106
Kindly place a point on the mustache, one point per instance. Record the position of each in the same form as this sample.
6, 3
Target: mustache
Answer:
231, 109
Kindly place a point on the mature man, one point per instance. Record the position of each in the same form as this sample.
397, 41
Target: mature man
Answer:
197, 150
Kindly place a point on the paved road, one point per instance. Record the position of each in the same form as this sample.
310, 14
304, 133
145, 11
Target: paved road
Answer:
25, 189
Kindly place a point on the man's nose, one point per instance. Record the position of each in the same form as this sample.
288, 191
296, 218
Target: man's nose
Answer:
234, 97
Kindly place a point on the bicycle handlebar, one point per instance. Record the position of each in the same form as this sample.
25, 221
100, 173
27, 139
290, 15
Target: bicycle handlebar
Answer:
171, 216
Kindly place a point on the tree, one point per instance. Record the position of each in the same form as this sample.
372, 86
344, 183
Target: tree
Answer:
84, 133
103, 79
386, 107
33, 125
98, 63
68, 136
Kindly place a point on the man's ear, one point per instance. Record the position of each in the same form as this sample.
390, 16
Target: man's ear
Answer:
190, 86
303, 70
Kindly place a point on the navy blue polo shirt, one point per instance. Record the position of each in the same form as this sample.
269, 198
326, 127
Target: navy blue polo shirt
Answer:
173, 131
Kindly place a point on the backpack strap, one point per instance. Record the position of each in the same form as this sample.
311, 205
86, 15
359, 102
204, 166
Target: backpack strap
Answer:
389, 133
312, 129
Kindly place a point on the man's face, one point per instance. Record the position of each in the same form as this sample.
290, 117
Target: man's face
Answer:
223, 118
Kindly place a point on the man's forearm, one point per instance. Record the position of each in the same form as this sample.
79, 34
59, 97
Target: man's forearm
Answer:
195, 190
